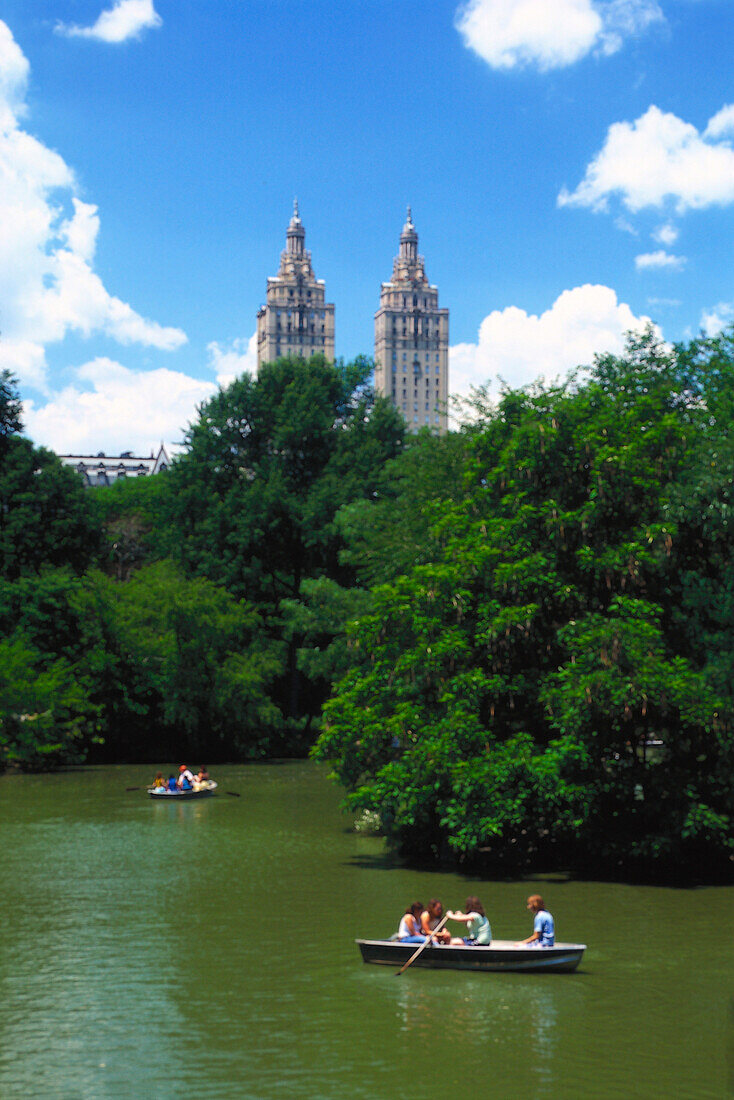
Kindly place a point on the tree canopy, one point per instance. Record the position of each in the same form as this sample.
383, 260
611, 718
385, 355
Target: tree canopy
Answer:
550, 683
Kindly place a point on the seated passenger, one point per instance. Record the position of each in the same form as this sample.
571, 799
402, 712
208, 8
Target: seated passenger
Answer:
159, 781
410, 924
431, 918
202, 776
185, 776
477, 925
172, 784
544, 933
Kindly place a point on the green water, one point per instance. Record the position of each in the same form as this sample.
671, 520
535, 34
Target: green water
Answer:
150, 950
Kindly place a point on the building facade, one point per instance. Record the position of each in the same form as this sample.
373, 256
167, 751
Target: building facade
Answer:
102, 469
412, 340
296, 320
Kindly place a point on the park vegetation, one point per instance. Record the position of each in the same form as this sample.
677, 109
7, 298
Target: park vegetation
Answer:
513, 643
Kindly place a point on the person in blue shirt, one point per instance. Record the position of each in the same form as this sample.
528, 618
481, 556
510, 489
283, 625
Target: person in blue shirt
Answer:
544, 933
171, 785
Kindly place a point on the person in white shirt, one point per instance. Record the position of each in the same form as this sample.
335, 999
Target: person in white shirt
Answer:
185, 778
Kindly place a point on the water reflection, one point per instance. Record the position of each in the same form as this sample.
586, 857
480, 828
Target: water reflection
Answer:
140, 937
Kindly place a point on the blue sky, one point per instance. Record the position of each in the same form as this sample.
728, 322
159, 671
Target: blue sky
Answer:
570, 167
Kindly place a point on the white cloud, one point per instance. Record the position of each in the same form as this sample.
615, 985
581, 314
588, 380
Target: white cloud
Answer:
659, 259
14, 70
665, 234
126, 19
626, 19
48, 287
718, 318
658, 157
229, 362
722, 123
110, 407
514, 33
521, 347
80, 231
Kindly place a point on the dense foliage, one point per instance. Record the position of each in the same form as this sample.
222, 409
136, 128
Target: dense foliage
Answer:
525, 627
254, 500
552, 677
161, 614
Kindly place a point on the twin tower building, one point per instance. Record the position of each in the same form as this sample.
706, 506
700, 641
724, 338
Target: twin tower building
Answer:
411, 332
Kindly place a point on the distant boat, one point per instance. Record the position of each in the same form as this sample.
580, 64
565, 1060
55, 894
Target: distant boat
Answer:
501, 955
202, 790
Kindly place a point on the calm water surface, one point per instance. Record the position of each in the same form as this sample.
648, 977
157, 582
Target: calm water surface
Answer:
150, 950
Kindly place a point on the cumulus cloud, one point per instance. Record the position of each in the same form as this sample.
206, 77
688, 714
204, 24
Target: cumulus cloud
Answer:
657, 158
229, 362
520, 347
717, 318
515, 33
722, 123
659, 259
14, 70
124, 20
110, 407
48, 286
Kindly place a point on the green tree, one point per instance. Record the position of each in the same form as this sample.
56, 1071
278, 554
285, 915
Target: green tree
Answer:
270, 461
45, 517
504, 690
181, 667
46, 715
11, 408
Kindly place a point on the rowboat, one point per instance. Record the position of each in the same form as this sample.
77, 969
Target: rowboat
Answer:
501, 955
202, 790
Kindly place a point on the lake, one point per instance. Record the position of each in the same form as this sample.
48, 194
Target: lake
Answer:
149, 949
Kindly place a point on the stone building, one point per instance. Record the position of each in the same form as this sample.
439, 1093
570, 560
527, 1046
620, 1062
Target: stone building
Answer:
102, 469
295, 320
412, 340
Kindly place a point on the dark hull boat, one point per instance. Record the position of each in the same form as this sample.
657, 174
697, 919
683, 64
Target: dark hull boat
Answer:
500, 955
162, 794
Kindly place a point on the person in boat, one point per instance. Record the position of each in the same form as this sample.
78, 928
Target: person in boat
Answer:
172, 784
430, 918
477, 924
202, 776
544, 933
410, 924
185, 779
159, 781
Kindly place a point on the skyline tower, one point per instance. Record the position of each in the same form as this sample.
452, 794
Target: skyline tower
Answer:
412, 340
295, 320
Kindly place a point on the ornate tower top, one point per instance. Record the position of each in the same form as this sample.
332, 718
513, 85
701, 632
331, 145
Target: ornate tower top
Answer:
408, 265
295, 235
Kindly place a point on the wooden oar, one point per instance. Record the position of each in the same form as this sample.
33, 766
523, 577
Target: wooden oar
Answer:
425, 943
234, 794
132, 788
